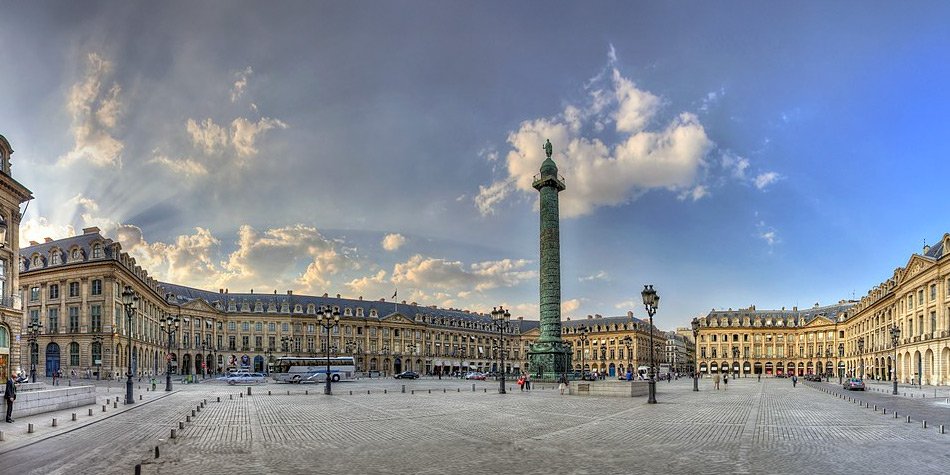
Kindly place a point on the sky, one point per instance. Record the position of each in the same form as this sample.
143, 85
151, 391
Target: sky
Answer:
728, 153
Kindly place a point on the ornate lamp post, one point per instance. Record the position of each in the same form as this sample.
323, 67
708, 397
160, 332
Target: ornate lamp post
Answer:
695, 325
328, 319
97, 343
628, 342
285, 344
33, 329
130, 302
584, 336
169, 326
895, 336
410, 350
268, 353
651, 301
501, 317
861, 355
840, 354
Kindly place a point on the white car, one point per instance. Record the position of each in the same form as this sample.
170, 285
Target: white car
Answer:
245, 378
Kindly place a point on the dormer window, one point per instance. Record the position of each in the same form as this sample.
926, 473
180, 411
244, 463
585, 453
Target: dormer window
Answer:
37, 262
75, 254
55, 257
97, 251
372, 312
298, 308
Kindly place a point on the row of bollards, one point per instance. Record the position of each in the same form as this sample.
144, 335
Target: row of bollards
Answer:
923, 423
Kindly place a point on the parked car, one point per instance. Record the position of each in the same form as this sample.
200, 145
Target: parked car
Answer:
475, 375
813, 377
245, 378
853, 384
407, 375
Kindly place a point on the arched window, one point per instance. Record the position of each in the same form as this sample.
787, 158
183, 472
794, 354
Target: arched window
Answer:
4, 338
75, 254
37, 262
55, 257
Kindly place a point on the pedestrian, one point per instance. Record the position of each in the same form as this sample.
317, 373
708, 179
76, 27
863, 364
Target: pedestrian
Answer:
716, 381
521, 382
760, 377
562, 384
9, 395
725, 381
794, 381
527, 382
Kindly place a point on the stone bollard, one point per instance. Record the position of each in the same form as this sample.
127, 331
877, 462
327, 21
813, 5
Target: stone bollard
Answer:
404, 389
923, 424
385, 391
173, 434
908, 419
473, 387
74, 416
103, 408
1, 435
138, 469
288, 392
443, 390
231, 397
268, 392
156, 451
895, 415
413, 391
192, 413
941, 431
219, 398
351, 392
248, 390
181, 424
187, 418
54, 422
306, 392
115, 405
367, 391
458, 390
90, 411
485, 390
884, 410
29, 429
875, 408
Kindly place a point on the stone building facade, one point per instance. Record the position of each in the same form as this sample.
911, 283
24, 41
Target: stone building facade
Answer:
12, 195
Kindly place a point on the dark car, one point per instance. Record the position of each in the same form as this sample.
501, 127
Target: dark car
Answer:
407, 375
813, 377
854, 384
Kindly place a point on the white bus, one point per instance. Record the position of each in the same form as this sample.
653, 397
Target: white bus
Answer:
294, 369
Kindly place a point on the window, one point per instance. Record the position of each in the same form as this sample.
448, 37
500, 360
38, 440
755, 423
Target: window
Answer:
246, 326
96, 287
285, 327
54, 260
920, 297
258, 343
74, 289
933, 322
271, 327
95, 315
53, 315
73, 319
53, 291
259, 326
231, 345
910, 302
74, 354
245, 342
96, 353
97, 251
34, 315
75, 254
232, 326
34, 293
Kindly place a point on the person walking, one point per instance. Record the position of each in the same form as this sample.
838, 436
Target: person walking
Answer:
725, 381
716, 381
9, 395
562, 384
794, 381
521, 382
527, 382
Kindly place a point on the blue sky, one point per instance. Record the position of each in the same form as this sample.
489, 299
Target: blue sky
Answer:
730, 154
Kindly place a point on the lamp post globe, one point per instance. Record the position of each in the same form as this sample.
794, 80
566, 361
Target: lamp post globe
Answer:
501, 317
583, 331
695, 325
861, 356
651, 301
628, 342
328, 319
130, 302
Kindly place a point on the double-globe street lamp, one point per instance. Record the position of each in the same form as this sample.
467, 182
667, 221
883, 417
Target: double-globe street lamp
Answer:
501, 317
97, 343
410, 351
130, 302
695, 325
840, 354
895, 337
169, 326
628, 342
328, 319
33, 329
651, 301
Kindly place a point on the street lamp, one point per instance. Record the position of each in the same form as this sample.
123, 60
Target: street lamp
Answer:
97, 343
861, 355
895, 336
651, 301
695, 325
169, 326
268, 353
285, 344
500, 317
840, 354
410, 349
628, 342
584, 336
130, 302
34, 329
328, 319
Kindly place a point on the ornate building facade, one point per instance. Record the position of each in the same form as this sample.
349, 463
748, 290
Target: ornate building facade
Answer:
12, 195
600, 343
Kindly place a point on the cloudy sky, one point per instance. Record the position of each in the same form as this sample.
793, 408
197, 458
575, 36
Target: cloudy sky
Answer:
730, 154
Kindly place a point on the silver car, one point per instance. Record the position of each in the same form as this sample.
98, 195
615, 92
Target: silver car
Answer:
245, 378
853, 384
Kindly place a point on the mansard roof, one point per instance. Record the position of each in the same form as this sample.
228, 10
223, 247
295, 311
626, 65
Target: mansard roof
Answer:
84, 242
775, 318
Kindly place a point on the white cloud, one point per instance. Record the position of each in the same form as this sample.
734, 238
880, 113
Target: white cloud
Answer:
766, 179
767, 233
393, 242
735, 164
600, 173
36, 229
697, 193
628, 305
95, 110
769, 237
244, 133
600, 275
372, 286
240, 84
207, 136
570, 306
180, 166
422, 272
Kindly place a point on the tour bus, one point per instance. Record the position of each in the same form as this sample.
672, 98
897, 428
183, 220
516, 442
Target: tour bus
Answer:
294, 369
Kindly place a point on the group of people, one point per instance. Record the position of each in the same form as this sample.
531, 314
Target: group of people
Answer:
524, 382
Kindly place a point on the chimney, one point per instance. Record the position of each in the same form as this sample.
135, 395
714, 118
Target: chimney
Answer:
629, 313
34, 243
590, 317
338, 296
90, 230
220, 291
290, 292
46, 239
361, 297
520, 318
252, 291
568, 318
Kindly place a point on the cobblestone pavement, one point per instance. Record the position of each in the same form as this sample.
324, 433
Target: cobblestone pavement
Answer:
749, 427
919, 404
